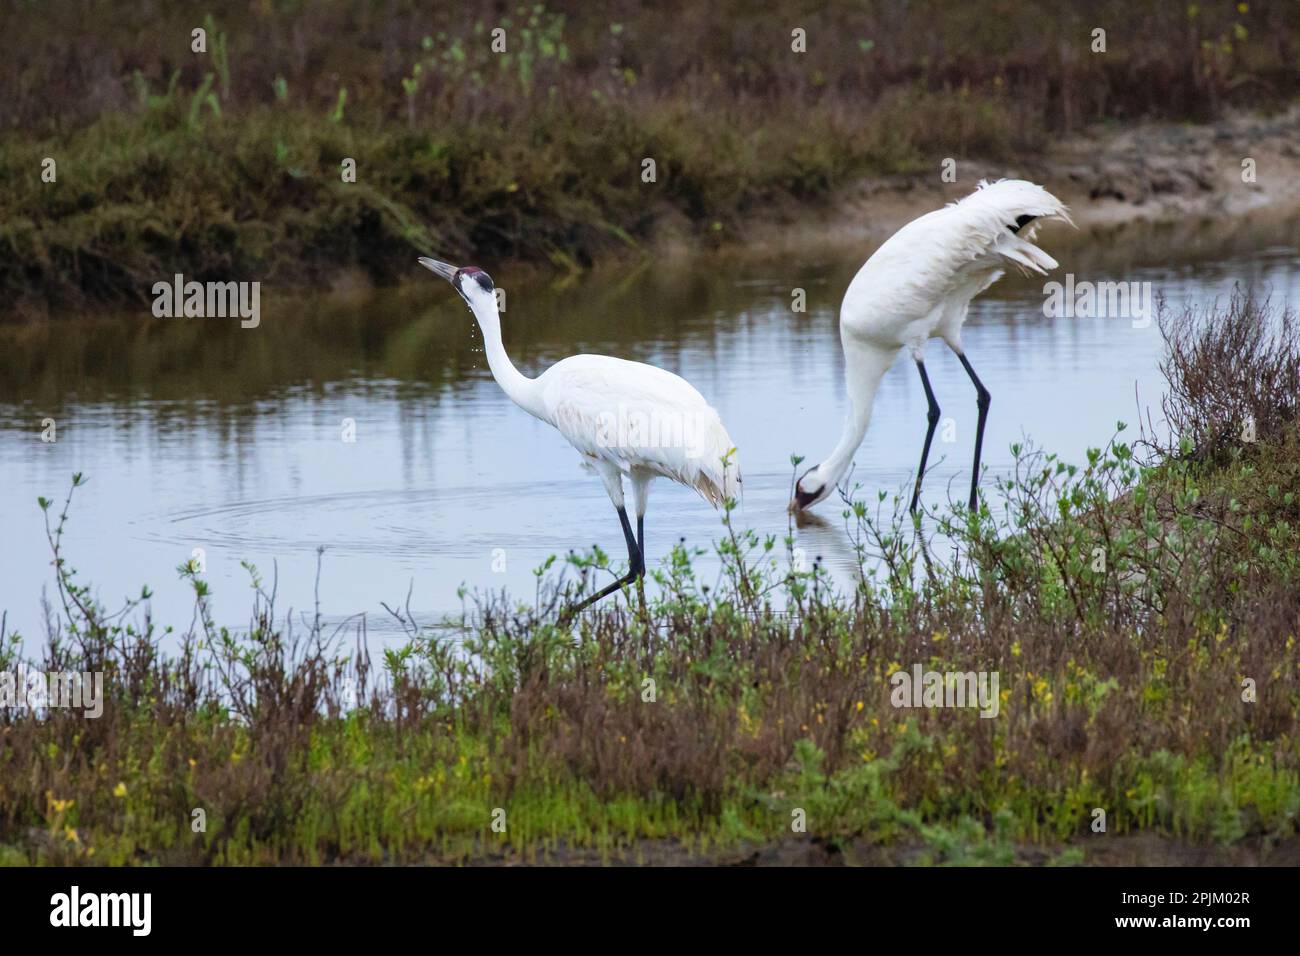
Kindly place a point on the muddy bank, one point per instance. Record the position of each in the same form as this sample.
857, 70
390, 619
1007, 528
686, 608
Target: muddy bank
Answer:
1144, 173
1147, 187
1111, 178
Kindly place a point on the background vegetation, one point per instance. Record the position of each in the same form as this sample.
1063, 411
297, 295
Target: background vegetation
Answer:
226, 164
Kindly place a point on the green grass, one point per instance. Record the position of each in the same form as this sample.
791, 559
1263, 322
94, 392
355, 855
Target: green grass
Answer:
141, 199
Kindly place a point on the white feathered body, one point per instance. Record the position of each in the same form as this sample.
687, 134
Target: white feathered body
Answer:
919, 283
642, 420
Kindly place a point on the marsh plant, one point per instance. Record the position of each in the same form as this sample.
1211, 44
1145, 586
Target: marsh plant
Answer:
1140, 609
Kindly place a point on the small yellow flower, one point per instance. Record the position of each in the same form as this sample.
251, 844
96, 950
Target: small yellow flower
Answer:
859, 706
71, 834
57, 805
119, 791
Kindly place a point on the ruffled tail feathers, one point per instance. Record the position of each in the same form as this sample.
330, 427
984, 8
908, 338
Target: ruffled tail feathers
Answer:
1015, 198
722, 481
1008, 213
1025, 255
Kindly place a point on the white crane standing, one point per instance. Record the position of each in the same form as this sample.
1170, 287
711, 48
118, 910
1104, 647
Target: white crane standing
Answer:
918, 285
623, 418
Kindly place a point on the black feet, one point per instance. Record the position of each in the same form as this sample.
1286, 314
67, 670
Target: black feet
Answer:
635, 562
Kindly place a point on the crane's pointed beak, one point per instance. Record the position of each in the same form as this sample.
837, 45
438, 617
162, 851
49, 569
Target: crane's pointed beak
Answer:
448, 272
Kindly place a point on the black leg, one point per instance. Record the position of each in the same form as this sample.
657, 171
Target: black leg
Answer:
640, 546
640, 540
982, 400
932, 416
636, 568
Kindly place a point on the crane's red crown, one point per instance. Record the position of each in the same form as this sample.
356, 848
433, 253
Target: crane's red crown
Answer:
473, 272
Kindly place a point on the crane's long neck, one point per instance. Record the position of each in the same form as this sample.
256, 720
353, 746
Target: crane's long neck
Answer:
522, 390
864, 367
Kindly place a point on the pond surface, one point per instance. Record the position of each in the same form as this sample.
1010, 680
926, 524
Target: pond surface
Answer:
195, 433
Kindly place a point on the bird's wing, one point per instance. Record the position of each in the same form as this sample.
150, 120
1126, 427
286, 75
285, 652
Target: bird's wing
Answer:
1009, 212
959, 250
636, 416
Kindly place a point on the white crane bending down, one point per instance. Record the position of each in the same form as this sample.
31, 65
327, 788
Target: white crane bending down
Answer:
623, 418
918, 286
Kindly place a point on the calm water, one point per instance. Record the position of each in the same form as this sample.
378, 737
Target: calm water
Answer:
198, 434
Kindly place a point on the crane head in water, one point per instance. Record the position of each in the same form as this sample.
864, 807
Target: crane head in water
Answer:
810, 489
473, 284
